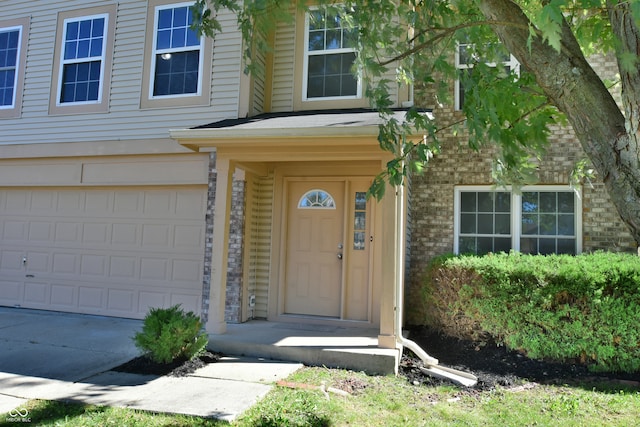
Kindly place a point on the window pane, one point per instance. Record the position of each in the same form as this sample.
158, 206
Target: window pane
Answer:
467, 223
332, 85
501, 244
485, 224
485, 245
165, 18
467, 245
547, 246
180, 16
361, 200
566, 202
334, 39
503, 202
316, 65
97, 31
547, 202
316, 20
333, 64
547, 224
315, 87
85, 29
72, 30
503, 224
529, 202
566, 225
529, 224
485, 202
316, 40
179, 37
529, 246
566, 246
163, 39
349, 85
468, 201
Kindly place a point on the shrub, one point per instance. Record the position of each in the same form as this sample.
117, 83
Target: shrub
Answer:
582, 308
170, 334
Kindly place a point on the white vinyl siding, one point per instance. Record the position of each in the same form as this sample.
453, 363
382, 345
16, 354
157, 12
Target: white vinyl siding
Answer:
125, 115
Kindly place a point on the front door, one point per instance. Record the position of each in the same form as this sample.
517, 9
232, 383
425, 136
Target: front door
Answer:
314, 241
327, 255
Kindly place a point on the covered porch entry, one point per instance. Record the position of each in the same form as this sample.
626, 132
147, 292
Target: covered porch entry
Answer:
319, 265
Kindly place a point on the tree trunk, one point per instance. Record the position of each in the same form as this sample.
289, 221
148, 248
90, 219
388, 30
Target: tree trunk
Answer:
571, 84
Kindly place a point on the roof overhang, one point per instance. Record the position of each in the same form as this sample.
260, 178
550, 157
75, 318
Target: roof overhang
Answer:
337, 135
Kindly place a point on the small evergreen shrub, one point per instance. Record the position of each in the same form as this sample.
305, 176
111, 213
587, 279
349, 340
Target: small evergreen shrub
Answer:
170, 334
582, 308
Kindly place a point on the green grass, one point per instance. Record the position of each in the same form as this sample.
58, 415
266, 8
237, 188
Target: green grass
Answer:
378, 401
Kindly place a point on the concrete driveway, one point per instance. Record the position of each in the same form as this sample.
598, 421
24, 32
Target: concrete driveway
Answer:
63, 346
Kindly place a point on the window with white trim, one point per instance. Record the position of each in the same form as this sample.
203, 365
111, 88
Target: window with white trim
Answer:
540, 220
10, 43
177, 57
466, 58
329, 55
83, 59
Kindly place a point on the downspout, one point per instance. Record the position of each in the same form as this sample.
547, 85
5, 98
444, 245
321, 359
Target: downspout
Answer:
399, 285
431, 364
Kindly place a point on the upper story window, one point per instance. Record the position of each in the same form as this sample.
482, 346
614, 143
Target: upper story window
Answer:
177, 52
467, 57
82, 62
542, 219
330, 52
177, 63
83, 55
13, 42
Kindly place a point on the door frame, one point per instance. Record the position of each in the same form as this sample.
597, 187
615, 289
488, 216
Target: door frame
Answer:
281, 201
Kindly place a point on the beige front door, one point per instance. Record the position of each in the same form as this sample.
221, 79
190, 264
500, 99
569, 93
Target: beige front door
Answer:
327, 253
314, 240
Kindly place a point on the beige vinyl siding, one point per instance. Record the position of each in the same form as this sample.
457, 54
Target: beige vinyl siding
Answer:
125, 120
283, 68
260, 252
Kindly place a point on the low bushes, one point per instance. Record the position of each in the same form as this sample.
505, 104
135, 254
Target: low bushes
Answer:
582, 308
170, 334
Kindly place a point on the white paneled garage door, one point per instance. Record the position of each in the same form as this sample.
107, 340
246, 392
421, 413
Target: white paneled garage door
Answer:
108, 251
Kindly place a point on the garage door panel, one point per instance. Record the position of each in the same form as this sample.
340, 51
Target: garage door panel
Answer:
11, 292
36, 293
102, 251
15, 230
63, 296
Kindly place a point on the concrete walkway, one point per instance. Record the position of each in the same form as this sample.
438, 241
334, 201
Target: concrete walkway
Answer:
69, 357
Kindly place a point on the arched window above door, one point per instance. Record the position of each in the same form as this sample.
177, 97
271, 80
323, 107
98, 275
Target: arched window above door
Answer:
316, 199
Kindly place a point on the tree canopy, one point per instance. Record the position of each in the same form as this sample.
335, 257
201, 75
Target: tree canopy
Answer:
416, 41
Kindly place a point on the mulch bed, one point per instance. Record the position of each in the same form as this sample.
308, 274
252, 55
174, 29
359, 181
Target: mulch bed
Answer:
498, 366
144, 365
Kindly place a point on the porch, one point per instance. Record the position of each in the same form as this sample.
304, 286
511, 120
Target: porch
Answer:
318, 345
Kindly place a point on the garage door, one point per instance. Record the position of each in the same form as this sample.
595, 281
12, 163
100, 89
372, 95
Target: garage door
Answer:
107, 251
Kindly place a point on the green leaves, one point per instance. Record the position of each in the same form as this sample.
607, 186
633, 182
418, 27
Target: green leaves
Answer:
170, 334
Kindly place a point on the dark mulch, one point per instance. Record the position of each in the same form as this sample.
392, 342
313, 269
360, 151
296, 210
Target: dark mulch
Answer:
497, 366
144, 365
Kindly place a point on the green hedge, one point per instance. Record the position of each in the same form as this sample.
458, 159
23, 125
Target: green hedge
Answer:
582, 308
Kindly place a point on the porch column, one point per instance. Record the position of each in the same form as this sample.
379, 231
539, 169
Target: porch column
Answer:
387, 337
220, 246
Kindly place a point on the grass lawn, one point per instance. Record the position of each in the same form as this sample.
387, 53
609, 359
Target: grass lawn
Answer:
382, 401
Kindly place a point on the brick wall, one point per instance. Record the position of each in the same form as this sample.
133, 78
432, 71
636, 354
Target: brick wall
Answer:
233, 301
432, 196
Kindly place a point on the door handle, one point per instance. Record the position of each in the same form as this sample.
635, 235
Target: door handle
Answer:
339, 256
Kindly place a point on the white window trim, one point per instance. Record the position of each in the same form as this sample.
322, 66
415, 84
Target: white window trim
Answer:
305, 66
516, 210
512, 63
18, 70
155, 52
63, 62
